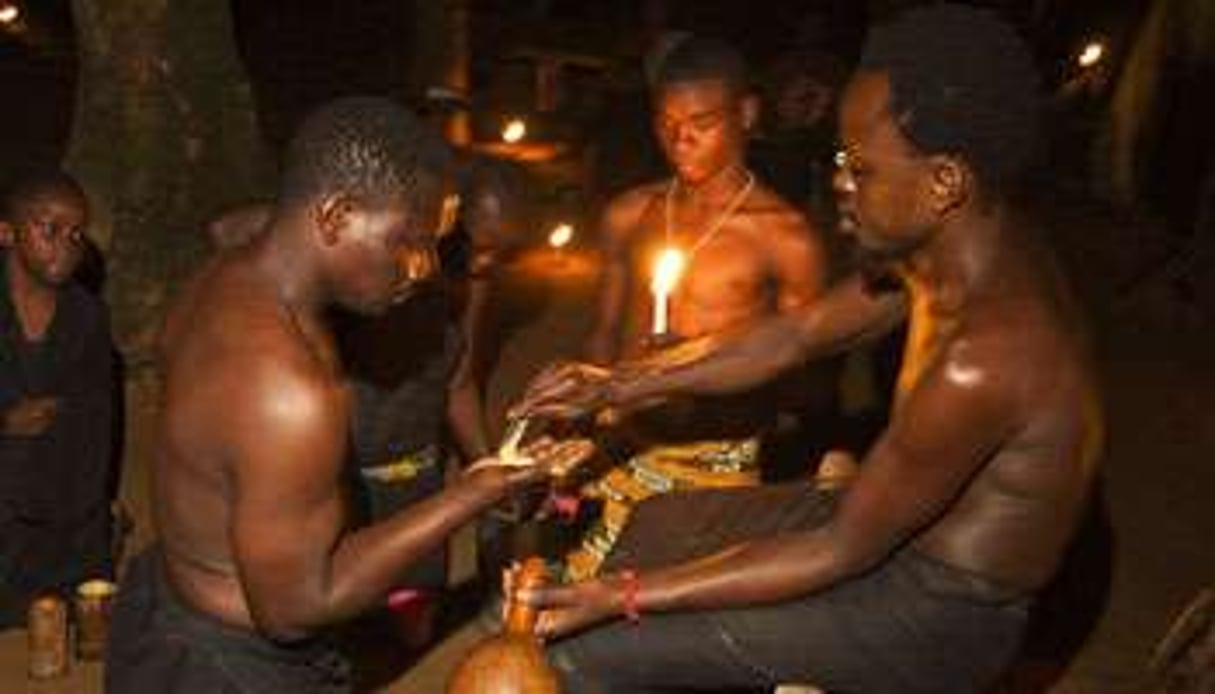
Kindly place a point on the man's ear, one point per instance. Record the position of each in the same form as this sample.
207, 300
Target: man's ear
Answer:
8, 234
750, 112
332, 215
951, 183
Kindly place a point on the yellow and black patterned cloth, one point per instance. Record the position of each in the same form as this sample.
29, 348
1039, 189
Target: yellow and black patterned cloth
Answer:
657, 470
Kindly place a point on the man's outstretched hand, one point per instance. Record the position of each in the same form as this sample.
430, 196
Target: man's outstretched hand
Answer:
566, 390
539, 460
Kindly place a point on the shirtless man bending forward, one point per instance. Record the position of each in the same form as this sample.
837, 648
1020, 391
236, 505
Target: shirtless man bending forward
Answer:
254, 558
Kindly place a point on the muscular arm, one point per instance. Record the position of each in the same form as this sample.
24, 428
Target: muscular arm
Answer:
798, 262
298, 568
720, 364
941, 436
844, 318
616, 284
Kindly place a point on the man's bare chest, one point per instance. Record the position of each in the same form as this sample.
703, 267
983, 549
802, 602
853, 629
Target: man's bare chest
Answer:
729, 266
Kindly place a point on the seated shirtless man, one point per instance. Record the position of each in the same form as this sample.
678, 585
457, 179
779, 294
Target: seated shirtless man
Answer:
255, 558
918, 576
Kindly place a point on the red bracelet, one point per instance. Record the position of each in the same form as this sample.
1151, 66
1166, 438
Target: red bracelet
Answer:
565, 506
631, 588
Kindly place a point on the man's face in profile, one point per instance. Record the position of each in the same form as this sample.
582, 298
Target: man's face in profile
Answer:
882, 181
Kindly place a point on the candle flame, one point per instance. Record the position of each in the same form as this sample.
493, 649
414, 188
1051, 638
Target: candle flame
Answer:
514, 130
667, 270
1092, 54
561, 235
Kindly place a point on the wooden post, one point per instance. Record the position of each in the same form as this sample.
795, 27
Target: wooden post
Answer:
456, 68
164, 137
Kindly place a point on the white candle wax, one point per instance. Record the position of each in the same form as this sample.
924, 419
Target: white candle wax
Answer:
660, 313
667, 270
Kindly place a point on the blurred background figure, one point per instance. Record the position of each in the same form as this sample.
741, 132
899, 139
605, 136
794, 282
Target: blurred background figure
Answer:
56, 400
792, 149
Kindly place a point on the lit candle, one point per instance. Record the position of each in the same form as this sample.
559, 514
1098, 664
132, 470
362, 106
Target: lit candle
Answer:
514, 130
561, 235
9, 13
667, 270
1092, 54
558, 239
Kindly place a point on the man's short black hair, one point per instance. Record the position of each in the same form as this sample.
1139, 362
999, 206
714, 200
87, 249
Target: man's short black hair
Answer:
35, 183
962, 82
364, 146
699, 58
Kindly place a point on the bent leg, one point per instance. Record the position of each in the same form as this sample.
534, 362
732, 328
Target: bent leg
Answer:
913, 624
671, 651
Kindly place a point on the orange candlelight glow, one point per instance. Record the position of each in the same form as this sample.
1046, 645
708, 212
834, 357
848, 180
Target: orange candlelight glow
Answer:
514, 130
1092, 54
561, 235
9, 13
448, 214
668, 268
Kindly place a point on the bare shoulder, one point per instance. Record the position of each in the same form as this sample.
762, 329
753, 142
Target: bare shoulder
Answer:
776, 216
982, 356
638, 197
238, 225
623, 214
1011, 353
234, 343
1018, 368
782, 228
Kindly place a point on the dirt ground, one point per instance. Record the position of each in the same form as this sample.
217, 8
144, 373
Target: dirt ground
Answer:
1155, 354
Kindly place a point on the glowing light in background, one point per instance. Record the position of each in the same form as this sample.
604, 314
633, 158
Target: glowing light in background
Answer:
448, 214
1092, 54
514, 130
561, 235
9, 13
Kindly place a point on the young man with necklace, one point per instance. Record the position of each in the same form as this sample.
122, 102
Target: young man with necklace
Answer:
746, 254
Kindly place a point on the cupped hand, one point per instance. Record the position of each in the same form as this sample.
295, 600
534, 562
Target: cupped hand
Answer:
541, 459
30, 417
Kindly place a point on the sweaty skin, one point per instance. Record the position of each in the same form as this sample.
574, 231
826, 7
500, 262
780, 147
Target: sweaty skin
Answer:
247, 476
992, 446
757, 259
